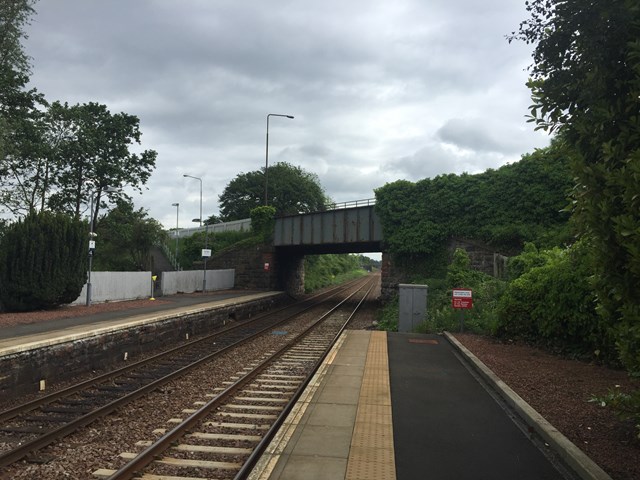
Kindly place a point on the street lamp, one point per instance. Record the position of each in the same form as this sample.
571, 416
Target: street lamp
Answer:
200, 180
177, 205
266, 163
92, 235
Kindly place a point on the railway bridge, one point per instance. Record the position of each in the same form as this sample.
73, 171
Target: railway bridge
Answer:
351, 227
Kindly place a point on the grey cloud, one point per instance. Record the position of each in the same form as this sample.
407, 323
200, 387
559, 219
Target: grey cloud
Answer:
380, 90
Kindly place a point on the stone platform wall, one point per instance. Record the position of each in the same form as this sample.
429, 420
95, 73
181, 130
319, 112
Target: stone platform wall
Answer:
22, 372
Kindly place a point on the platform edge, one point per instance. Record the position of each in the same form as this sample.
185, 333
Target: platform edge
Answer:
575, 458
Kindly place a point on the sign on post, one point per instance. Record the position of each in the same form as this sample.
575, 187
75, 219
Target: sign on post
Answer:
206, 252
462, 298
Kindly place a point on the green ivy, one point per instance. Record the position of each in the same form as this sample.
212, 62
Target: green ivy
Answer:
263, 221
525, 201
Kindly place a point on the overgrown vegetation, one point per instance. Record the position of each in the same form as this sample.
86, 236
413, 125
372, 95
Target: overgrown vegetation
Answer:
582, 299
440, 314
190, 249
585, 84
324, 270
44, 262
504, 208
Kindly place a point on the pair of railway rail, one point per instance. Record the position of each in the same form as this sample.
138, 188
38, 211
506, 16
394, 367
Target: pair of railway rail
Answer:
247, 412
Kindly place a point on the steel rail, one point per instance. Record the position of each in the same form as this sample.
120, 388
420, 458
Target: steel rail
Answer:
147, 456
257, 452
52, 397
51, 436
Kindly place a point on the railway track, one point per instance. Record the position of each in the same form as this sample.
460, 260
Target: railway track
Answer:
26, 429
224, 436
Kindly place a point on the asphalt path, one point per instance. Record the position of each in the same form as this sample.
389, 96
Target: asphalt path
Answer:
161, 304
447, 426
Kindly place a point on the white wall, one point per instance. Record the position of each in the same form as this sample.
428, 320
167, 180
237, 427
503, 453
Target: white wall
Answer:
116, 286
191, 280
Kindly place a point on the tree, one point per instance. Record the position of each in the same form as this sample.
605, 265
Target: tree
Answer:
27, 165
14, 17
212, 219
19, 107
96, 155
44, 259
126, 237
291, 190
585, 84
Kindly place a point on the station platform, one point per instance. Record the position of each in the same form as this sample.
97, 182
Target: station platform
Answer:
81, 323
381, 406
405, 406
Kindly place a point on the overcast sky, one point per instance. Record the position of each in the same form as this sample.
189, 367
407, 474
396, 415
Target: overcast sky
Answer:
380, 90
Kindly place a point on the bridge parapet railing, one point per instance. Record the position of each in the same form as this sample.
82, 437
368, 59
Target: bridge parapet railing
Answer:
352, 204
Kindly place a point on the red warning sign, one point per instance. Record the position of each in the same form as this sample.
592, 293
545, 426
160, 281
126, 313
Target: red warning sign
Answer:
462, 298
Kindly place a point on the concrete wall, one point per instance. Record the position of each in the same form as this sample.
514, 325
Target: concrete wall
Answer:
243, 225
191, 281
117, 286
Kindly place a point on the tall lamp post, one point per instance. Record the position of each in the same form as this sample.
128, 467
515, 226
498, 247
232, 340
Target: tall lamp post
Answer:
200, 180
177, 205
92, 235
266, 163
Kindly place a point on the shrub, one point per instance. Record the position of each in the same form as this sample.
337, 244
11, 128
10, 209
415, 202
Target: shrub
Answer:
44, 258
388, 315
263, 221
552, 303
625, 405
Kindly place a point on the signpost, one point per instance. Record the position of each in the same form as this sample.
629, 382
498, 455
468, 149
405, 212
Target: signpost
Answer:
462, 299
206, 253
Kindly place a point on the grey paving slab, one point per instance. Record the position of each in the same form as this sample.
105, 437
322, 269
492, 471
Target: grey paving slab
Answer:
324, 441
351, 370
344, 381
313, 468
339, 395
332, 415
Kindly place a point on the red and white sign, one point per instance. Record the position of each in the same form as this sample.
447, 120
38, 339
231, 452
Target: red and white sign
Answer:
462, 298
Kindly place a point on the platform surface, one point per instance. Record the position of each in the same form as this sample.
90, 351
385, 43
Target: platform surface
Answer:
400, 406
17, 338
381, 407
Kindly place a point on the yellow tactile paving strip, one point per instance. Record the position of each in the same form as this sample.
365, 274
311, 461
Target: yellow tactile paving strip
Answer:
371, 456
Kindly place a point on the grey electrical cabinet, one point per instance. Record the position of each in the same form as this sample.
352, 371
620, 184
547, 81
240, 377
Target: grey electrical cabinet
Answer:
413, 306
